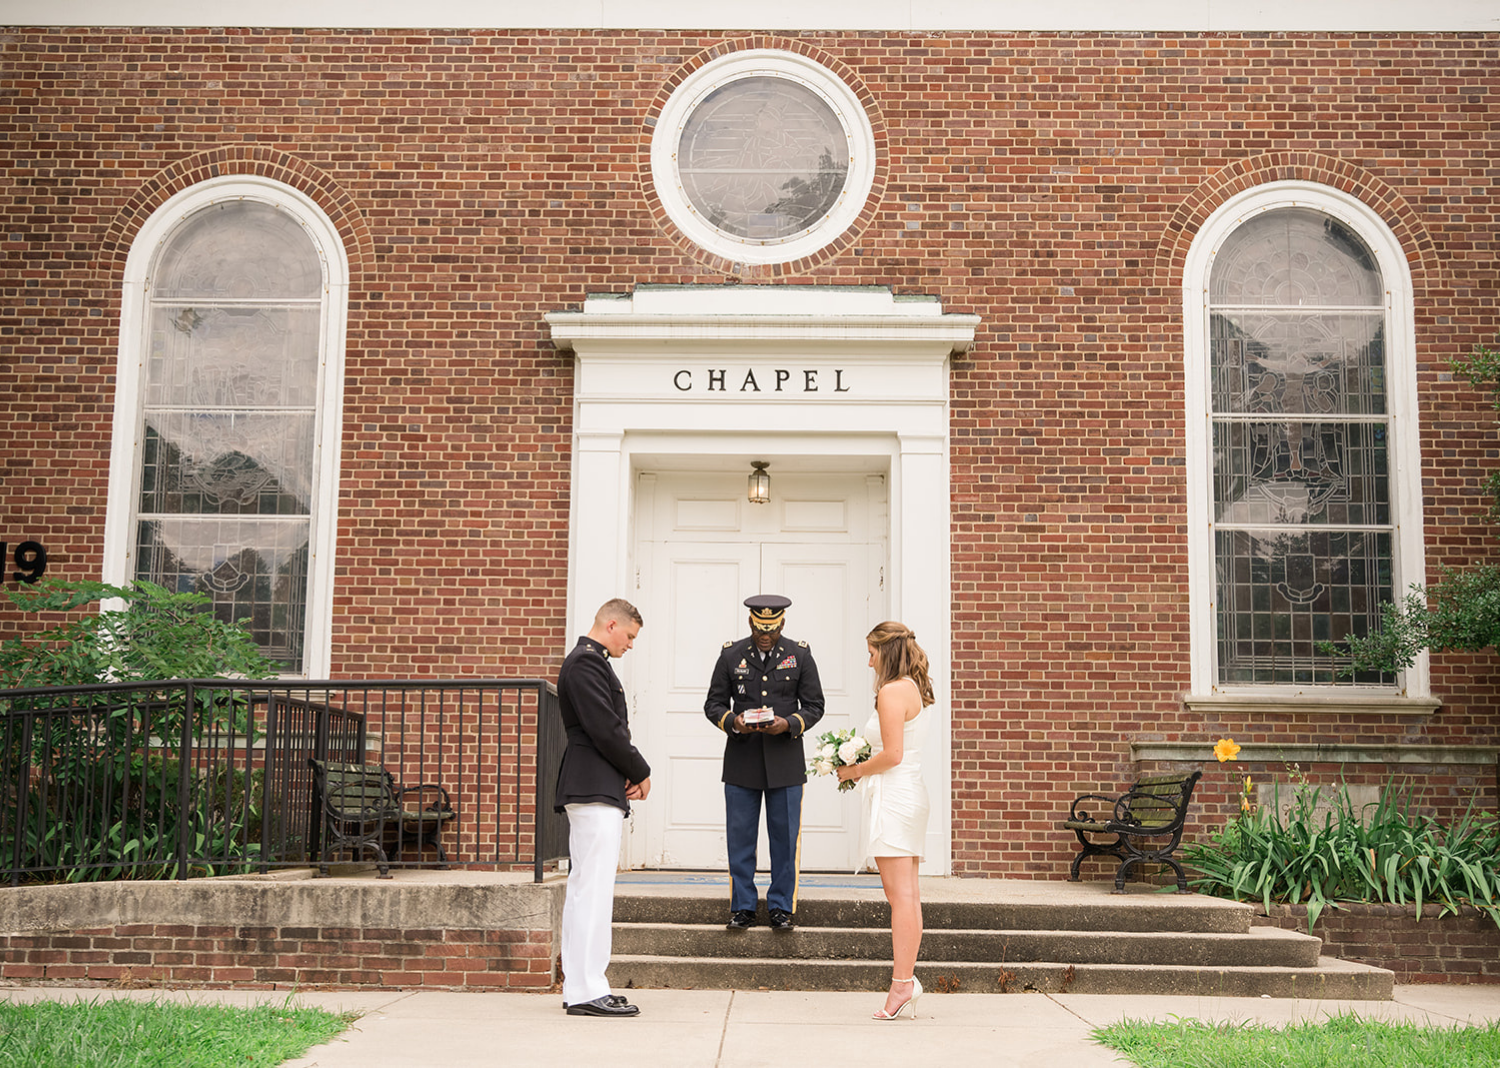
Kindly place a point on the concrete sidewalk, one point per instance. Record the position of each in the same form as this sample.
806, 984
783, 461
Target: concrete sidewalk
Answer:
749, 1029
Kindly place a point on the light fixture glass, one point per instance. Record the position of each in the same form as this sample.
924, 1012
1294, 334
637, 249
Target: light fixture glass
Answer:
760, 483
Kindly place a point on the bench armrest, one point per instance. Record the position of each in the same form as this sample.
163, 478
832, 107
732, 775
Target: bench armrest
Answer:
1078, 815
441, 803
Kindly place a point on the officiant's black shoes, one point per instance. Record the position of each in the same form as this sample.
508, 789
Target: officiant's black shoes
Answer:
781, 920
742, 919
608, 1005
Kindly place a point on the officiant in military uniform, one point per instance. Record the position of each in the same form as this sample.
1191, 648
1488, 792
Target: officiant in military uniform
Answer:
765, 696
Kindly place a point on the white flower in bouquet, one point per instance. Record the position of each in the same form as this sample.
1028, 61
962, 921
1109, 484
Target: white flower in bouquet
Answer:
837, 749
850, 750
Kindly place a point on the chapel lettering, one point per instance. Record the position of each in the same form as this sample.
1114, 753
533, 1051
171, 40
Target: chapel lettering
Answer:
717, 381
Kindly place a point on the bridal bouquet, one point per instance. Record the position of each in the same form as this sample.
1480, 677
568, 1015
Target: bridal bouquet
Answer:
837, 749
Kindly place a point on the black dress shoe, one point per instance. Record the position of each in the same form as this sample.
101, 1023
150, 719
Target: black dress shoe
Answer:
781, 920
740, 920
608, 1005
614, 999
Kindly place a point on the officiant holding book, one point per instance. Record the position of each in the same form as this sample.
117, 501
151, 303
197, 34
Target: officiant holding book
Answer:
765, 696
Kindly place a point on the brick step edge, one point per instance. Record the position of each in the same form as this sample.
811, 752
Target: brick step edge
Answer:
1331, 979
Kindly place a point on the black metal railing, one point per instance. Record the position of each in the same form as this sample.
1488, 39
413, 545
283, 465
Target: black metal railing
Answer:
211, 776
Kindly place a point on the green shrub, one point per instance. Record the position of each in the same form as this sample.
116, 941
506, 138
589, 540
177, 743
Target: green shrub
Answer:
96, 789
1386, 853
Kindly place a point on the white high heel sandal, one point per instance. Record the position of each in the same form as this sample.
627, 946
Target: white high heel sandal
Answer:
911, 1003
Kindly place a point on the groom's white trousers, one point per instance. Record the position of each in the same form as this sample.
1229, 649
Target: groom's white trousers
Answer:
594, 832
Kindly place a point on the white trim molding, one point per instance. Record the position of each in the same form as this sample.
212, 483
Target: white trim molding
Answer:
1408, 562
919, 16
129, 381
828, 377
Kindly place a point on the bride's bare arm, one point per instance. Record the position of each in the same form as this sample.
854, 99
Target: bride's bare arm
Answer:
895, 704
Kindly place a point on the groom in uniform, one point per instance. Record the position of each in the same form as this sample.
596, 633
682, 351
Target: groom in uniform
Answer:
765, 695
601, 773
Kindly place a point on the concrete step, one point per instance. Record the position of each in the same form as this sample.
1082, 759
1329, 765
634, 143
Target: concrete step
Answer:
1260, 946
1329, 978
1069, 910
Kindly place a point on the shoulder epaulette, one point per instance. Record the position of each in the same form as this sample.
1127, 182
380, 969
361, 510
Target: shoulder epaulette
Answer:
728, 644
803, 644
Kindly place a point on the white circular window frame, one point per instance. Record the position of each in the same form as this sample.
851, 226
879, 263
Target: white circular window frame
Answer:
772, 63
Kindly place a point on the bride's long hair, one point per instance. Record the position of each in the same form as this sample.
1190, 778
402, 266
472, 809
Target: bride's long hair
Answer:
897, 654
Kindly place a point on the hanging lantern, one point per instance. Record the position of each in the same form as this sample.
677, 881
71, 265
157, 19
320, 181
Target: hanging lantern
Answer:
760, 483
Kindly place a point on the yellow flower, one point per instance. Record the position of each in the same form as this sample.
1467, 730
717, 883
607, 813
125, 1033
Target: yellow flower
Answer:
1225, 749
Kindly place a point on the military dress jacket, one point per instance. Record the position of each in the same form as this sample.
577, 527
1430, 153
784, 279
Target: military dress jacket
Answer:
787, 682
600, 758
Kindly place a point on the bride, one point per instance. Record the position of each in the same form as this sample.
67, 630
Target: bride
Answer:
895, 798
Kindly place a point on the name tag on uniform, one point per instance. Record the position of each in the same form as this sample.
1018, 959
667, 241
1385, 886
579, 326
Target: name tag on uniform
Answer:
789, 662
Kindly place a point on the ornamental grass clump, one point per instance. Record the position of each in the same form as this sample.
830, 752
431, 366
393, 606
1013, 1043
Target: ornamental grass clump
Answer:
1322, 853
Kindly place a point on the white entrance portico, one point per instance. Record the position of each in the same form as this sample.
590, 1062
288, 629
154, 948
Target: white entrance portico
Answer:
844, 390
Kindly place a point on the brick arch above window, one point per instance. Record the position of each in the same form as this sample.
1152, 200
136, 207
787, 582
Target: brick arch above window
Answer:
768, 272
242, 161
1339, 174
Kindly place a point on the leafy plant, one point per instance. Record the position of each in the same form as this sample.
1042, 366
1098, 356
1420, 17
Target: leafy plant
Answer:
1320, 855
153, 634
97, 783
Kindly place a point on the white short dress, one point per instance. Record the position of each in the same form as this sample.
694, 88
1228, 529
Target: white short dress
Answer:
895, 800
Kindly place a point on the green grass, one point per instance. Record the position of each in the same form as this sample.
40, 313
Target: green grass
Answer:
108, 1033
1339, 1042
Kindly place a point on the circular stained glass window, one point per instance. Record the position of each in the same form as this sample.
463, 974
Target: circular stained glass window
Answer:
763, 156
763, 159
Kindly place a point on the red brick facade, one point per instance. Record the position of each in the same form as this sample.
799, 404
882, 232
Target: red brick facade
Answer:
282, 958
1049, 183
1426, 948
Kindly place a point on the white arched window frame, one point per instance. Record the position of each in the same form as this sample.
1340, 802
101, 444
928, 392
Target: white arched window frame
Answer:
126, 443
1408, 557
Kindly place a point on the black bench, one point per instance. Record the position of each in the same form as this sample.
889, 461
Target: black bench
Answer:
1146, 823
358, 804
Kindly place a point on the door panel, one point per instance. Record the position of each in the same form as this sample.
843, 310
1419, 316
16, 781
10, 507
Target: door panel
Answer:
831, 595
706, 585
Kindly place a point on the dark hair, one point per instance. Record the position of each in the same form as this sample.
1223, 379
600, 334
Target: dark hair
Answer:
620, 610
897, 655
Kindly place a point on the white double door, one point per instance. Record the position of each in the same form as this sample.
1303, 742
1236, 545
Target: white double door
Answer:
703, 549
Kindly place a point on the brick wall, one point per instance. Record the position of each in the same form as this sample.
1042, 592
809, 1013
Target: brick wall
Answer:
483, 931
185, 955
1050, 183
1460, 948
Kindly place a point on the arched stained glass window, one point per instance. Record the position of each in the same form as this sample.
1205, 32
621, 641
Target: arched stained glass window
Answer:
229, 475
1303, 509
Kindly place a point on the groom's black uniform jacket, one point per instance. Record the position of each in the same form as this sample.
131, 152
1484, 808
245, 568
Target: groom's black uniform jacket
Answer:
599, 757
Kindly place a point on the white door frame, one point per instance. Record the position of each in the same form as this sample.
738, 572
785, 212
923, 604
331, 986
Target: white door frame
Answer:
815, 376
